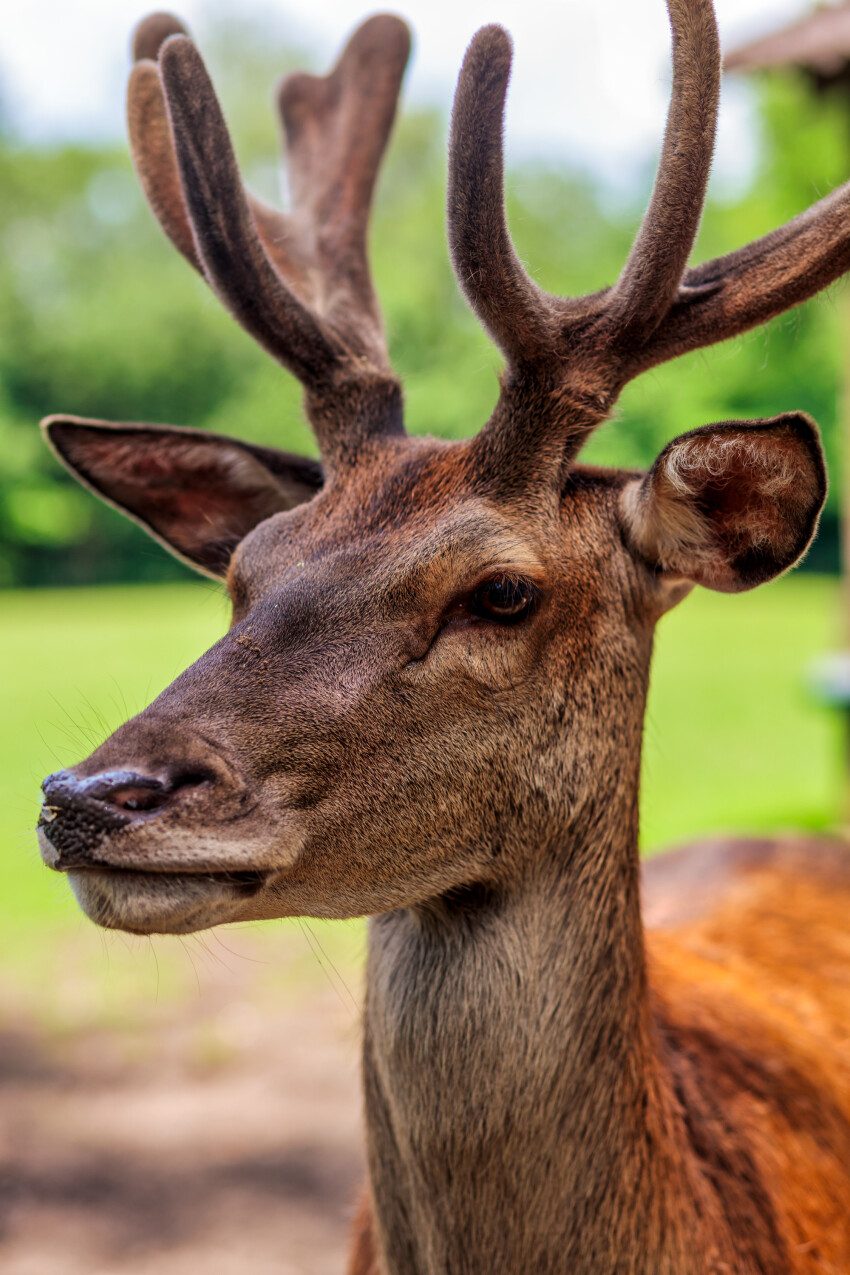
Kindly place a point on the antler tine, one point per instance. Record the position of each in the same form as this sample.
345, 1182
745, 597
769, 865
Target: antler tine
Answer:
226, 238
727, 296
336, 129
152, 32
151, 144
511, 307
152, 148
649, 283
299, 282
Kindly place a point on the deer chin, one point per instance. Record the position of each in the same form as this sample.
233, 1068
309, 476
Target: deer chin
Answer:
164, 902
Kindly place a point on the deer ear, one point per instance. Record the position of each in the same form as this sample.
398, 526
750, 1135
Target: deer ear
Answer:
197, 493
729, 506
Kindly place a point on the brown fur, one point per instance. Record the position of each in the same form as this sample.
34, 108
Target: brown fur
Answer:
750, 997
428, 709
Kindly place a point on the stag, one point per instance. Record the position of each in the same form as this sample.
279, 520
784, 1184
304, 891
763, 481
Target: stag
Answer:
428, 706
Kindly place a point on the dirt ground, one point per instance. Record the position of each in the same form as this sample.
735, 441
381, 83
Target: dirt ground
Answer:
217, 1133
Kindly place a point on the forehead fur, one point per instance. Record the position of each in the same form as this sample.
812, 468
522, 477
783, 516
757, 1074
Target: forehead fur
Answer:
418, 504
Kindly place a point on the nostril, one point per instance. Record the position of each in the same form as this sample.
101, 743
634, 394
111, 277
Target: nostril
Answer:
133, 792
135, 797
126, 790
121, 789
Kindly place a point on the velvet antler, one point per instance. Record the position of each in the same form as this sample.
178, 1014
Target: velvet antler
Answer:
298, 282
567, 359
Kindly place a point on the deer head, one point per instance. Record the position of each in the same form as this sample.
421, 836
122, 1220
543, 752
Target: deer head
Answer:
439, 650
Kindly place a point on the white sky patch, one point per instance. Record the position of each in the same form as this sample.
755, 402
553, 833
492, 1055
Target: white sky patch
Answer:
590, 82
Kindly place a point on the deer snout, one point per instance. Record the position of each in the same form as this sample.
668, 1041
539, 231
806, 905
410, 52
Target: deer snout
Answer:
79, 811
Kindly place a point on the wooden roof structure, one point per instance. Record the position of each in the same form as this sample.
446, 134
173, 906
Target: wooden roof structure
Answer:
819, 42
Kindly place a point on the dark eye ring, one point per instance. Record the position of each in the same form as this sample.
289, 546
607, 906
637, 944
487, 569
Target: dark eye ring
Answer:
505, 599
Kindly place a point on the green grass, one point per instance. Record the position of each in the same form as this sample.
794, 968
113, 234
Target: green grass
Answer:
76, 663
734, 742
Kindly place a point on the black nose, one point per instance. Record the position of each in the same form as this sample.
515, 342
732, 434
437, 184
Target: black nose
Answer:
118, 789
78, 812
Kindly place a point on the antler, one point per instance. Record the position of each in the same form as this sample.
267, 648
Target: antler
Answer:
298, 282
567, 359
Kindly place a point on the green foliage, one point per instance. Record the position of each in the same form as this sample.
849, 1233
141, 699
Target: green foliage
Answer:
100, 317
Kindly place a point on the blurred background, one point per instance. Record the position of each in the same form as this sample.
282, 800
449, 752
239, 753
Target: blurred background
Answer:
163, 1103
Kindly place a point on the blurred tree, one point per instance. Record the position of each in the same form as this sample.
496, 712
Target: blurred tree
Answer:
100, 317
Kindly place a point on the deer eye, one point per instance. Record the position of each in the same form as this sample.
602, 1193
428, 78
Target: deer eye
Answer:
503, 599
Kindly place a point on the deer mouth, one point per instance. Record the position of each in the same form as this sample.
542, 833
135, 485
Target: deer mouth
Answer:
162, 900
249, 881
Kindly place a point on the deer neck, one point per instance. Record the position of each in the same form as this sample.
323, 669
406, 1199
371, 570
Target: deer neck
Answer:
516, 1109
